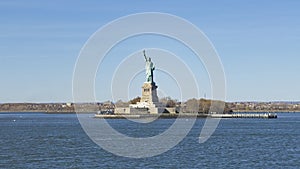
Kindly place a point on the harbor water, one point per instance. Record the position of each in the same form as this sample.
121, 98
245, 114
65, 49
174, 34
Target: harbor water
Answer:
36, 140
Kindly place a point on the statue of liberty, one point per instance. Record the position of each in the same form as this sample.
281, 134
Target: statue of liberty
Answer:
149, 68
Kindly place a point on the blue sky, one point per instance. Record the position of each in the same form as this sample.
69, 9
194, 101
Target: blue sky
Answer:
258, 43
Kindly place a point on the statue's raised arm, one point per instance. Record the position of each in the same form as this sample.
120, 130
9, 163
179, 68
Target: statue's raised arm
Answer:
145, 55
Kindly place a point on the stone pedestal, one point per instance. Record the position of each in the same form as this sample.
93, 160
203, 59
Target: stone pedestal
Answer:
149, 102
150, 98
149, 93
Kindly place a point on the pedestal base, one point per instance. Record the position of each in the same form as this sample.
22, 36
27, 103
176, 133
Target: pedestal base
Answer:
149, 102
149, 93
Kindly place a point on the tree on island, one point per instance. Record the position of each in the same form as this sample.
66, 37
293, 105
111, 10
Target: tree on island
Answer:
135, 100
168, 102
120, 103
192, 106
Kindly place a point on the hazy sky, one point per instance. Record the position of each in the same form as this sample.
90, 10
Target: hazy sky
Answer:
257, 41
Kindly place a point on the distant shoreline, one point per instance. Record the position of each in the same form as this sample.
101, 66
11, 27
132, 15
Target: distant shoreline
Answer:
230, 107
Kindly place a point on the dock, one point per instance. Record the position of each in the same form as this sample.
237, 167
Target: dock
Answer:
245, 115
235, 115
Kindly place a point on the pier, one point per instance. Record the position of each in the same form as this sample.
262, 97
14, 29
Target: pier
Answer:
245, 115
187, 115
